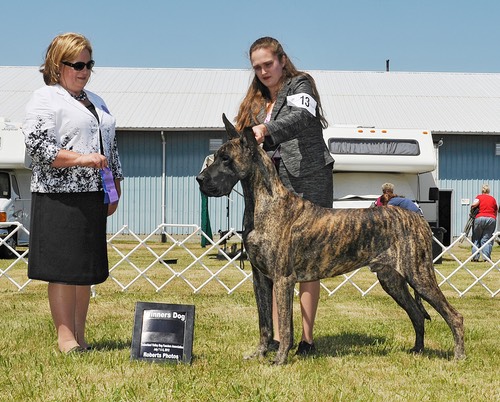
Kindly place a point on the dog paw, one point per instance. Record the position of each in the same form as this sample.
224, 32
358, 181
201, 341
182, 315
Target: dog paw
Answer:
257, 354
250, 356
280, 359
416, 351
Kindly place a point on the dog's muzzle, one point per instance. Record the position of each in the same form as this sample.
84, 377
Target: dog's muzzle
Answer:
208, 187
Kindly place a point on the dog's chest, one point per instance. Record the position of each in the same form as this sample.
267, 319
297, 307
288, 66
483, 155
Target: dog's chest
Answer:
261, 250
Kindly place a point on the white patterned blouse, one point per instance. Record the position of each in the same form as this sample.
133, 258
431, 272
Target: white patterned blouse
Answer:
54, 121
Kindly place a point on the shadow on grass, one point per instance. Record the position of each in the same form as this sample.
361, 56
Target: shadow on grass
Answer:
438, 354
112, 345
352, 343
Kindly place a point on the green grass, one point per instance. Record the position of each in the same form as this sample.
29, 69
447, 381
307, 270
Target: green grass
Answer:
362, 344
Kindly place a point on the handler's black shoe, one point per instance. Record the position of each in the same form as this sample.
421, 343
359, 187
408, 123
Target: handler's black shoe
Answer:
305, 349
273, 345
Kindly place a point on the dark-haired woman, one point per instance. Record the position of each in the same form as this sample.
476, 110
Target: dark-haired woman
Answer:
283, 106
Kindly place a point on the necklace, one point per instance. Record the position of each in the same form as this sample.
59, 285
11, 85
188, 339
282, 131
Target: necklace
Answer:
82, 96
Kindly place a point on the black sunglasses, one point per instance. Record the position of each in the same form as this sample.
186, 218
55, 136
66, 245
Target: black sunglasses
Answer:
80, 65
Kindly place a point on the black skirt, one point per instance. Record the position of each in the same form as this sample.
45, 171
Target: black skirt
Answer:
316, 187
68, 238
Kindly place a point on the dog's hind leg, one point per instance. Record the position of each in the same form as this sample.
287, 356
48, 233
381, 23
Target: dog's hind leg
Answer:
395, 285
428, 288
418, 299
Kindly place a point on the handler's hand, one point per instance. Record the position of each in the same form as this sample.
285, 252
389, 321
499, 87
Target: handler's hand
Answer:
259, 132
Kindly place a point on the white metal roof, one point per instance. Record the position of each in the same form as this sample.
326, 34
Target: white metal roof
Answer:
178, 99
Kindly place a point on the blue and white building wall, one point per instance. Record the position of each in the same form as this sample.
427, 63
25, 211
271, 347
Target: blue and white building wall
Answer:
466, 162
142, 207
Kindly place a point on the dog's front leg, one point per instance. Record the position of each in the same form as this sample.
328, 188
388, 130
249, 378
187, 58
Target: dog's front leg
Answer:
263, 289
283, 290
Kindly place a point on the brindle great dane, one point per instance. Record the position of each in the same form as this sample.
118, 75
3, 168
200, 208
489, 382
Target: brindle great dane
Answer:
289, 239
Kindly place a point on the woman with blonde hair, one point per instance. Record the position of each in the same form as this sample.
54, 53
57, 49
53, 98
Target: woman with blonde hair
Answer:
283, 107
75, 184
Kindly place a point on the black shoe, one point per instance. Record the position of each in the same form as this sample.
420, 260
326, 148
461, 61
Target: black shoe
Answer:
305, 349
273, 345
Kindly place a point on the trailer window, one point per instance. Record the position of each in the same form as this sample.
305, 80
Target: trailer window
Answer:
362, 146
4, 185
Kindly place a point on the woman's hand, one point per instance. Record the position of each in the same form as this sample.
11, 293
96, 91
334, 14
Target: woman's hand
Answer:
94, 160
67, 158
259, 132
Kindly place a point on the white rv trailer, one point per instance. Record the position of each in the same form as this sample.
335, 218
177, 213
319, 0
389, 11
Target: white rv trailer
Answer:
367, 157
15, 194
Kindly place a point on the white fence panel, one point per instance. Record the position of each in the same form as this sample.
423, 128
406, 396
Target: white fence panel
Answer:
10, 272
146, 261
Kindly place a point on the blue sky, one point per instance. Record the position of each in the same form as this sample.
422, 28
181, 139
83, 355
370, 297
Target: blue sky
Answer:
416, 35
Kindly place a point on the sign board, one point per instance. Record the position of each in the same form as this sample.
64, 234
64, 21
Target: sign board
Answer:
163, 332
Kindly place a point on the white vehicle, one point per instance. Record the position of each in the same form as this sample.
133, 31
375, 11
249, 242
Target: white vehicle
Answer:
366, 158
15, 194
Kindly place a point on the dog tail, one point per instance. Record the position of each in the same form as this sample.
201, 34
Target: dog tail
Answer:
418, 299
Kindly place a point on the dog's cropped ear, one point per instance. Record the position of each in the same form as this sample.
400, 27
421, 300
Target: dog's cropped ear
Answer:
231, 131
249, 138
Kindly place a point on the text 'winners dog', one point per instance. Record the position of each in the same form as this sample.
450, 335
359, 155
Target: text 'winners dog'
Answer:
289, 240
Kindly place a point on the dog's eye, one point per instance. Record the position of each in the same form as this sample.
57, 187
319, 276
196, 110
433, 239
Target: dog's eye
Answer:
225, 158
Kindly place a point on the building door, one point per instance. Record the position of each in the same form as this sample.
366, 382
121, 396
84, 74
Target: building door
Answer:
444, 214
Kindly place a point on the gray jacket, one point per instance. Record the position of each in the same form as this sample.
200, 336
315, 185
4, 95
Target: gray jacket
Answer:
297, 131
